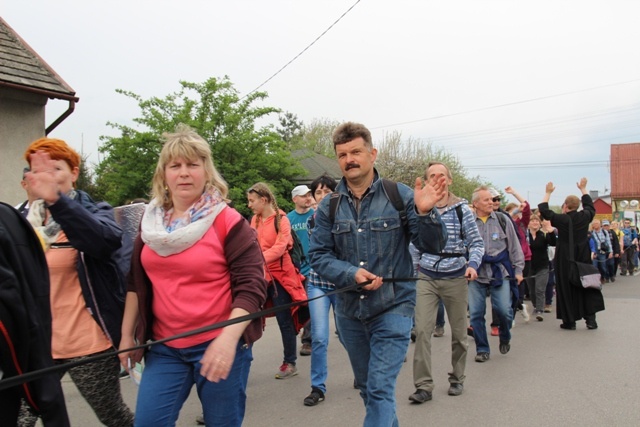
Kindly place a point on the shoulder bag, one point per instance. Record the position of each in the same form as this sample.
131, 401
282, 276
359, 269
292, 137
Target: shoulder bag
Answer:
582, 274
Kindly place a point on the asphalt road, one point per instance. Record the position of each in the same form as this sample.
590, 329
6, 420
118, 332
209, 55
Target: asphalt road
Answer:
551, 377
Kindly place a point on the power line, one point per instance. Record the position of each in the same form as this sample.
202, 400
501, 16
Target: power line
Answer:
583, 164
303, 50
552, 165
492, 107
567, 120
498, 153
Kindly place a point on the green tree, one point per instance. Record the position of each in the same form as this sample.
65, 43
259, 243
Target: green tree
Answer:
85, 181
290, 130
242, 152
403, 161
316, 136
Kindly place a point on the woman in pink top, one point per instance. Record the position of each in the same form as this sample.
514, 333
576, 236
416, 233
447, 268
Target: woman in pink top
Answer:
274, 235
196, 262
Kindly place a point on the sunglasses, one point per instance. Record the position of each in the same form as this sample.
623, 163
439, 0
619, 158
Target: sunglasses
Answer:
258, 192
496, 199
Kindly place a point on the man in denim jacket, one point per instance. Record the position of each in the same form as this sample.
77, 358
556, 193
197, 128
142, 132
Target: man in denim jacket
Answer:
367, 243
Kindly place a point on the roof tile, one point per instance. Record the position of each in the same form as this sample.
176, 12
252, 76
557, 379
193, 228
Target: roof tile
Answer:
21, 65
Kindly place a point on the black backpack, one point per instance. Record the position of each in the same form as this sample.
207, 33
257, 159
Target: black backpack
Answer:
296, 252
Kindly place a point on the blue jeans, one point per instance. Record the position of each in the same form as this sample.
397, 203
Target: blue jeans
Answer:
170, 373
501, 304
377, 349
319, 310
285, 322
601, 263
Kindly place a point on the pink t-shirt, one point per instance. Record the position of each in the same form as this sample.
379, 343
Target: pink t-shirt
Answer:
191, 289
74, 332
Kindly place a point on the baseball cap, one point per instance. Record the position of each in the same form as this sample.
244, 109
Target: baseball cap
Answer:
300, 190
494, 192
605, 222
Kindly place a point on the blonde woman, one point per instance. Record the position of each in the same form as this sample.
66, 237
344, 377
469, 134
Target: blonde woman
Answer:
539, 241
619, 236
195, 263
274, 236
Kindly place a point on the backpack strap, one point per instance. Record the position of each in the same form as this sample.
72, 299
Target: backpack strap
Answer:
503, 221
393, 194
459, 213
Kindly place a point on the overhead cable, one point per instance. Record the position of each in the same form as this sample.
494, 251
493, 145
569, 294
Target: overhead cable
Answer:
492, 107
303, 50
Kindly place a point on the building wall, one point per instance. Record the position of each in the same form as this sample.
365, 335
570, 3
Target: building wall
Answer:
22, 120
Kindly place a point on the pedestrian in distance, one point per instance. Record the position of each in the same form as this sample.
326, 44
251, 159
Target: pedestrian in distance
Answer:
539, 239
499, 274
299, 217
285, 281
573, 302
317, 289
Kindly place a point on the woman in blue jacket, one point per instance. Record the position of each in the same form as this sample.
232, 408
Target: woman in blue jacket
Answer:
83, 247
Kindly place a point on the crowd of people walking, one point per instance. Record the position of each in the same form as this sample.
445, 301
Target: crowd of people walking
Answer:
390, 261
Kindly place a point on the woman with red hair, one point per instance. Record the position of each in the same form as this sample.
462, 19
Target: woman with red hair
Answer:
83, 248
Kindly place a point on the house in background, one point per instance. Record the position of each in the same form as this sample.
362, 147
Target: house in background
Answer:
602, 205
625, 181
315, 164
27, 83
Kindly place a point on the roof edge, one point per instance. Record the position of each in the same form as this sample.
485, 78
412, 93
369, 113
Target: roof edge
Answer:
48, 93
44, 63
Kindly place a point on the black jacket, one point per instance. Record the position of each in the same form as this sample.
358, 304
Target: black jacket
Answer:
615, 243
25, 322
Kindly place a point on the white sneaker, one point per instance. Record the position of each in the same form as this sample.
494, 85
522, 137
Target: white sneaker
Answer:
525, 312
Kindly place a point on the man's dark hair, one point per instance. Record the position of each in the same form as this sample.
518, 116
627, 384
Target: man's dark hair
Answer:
349, 131
323, 180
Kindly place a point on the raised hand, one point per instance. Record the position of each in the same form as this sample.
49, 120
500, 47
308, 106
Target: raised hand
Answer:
42, 179
427, 195
549, 188
582, 184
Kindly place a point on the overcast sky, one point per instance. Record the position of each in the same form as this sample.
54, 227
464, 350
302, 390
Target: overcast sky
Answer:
506, 86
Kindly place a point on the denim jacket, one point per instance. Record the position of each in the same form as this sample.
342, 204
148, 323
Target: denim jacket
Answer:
375, 240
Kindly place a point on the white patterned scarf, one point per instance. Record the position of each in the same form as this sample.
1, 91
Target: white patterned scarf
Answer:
167, 237
47, 228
